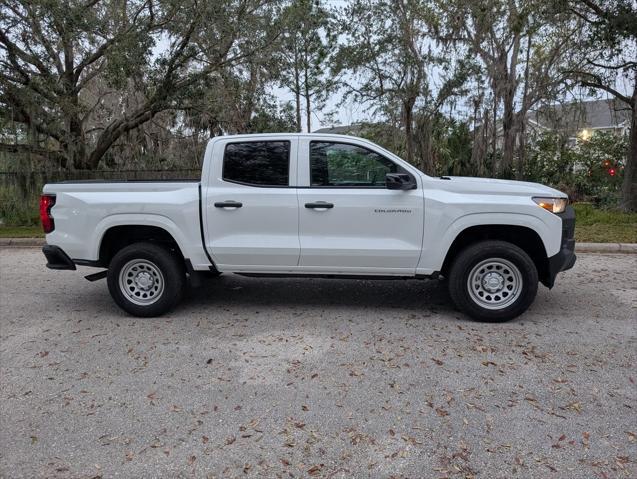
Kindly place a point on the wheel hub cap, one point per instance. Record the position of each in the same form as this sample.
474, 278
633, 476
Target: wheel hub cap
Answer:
144, 280
141, 282
494, 283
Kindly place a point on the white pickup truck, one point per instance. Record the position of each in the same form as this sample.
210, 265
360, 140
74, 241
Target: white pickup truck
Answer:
317, 206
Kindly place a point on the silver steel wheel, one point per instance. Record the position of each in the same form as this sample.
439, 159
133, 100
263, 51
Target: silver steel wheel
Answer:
141, 282
494, 283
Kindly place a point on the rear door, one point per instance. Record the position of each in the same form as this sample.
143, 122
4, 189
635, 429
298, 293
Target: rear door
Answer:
349, 222
251, 207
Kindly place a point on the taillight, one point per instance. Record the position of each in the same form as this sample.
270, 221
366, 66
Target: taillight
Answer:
46, 203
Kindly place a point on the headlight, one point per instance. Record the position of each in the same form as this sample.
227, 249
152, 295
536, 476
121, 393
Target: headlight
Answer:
554, 205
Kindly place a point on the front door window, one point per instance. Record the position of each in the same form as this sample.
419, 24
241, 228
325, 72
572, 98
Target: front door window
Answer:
341, 165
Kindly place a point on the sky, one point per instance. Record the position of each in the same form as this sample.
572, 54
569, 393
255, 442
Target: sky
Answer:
346, 114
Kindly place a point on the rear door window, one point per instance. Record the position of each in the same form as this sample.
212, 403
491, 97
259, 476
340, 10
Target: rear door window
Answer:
257, 163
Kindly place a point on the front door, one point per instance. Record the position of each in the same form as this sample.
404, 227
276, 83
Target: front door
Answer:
250, 206
349, 222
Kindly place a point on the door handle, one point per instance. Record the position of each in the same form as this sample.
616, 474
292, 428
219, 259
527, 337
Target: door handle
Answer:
319, 205
228, 204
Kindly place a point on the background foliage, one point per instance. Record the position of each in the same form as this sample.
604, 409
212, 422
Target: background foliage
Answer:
91, 88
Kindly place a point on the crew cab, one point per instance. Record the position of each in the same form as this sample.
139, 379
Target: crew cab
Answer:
312, 205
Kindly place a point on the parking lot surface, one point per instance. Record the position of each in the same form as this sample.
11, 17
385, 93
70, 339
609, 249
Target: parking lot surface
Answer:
317, 378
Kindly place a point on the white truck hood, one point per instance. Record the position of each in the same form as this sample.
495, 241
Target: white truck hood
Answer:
486, 186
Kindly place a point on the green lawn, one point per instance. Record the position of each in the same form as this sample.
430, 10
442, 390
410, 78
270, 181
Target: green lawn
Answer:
21, 232
594, 225
591, 226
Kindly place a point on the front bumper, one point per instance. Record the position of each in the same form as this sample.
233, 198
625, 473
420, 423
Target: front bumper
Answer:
56, 258
565, 258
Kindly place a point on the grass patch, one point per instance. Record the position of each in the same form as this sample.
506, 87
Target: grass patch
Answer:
606, 233
593, 225
21, 232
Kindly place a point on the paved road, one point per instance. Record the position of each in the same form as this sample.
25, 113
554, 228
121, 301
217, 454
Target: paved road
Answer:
317, 378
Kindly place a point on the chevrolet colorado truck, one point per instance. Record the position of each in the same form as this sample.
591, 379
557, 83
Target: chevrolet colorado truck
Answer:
311, 205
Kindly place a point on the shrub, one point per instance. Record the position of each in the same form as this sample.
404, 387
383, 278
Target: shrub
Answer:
15, 209
589, 170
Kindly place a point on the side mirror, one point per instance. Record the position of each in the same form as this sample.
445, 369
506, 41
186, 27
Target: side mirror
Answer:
399, 181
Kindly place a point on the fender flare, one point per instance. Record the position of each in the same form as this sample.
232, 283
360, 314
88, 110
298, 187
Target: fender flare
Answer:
134, 219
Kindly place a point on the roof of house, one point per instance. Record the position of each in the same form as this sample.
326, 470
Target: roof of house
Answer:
595, 114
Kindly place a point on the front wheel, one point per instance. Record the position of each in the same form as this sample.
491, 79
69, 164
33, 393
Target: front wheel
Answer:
146, 279
493, 281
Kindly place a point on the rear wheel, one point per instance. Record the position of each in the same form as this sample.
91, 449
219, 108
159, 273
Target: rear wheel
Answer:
493, 281
146, 279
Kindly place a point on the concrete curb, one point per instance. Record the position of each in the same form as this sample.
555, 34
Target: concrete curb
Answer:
630, 248
21, 242
624, 248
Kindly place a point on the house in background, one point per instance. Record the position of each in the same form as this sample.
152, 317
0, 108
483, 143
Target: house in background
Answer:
580, 120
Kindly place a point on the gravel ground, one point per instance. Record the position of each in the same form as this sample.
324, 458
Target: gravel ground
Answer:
317, 378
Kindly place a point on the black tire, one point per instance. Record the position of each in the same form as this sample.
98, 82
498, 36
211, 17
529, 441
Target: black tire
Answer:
156, 262
511, 303
210, 274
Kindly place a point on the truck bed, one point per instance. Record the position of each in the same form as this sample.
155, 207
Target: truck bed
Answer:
84, 210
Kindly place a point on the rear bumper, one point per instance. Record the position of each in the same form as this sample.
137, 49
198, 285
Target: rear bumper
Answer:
565, 258
56, 258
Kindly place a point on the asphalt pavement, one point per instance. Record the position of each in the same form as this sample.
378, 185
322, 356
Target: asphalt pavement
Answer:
317, 378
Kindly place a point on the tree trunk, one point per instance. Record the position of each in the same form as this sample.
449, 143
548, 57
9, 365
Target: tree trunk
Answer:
76, 140
115, 130
298, 111
424, 132
509, 123
306, 90
308, 105
519, 173
508, 132
297, 90
523, 112
494, 132
629, 184
77, 143
480, 143
485, 144
408, 122
308, 112
475, 157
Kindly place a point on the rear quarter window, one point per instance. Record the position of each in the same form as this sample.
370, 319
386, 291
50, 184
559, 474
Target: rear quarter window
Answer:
257, 163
